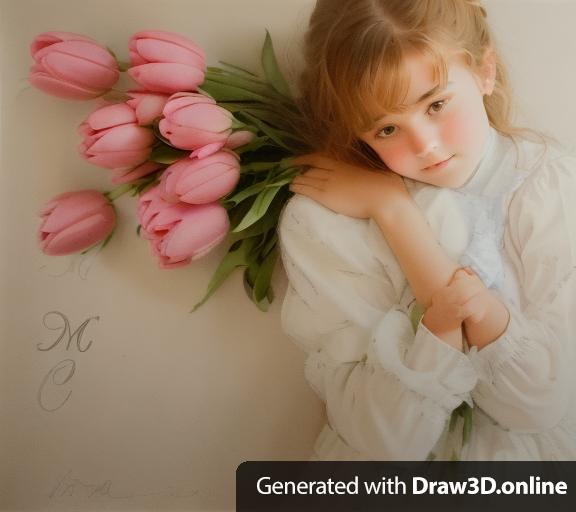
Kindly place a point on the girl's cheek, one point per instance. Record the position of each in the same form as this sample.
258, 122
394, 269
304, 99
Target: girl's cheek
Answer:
395, 156
462, 129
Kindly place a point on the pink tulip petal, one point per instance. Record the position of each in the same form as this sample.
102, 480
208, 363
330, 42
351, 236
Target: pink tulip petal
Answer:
208, 150
136, 59
190, 138
171, 37
147, 106
169, 181
204, 116
49, 38
80, 71
70, 207
111, 115
88, 51
126, 137
167, 216
208, 188
119, 159
200, 231
80, 235
154, 50
60, 89
167, 77
184, 99
120, 176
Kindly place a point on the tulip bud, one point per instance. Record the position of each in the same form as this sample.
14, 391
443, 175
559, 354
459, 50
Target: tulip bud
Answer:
71, 66
200, 181
166, 62
178, 232
74, 221
193, 121
113, 138
147, 106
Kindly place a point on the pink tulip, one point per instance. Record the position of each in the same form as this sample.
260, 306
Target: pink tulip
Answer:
166, 62
74, 221
147, 105
71, 66
200, 181
113, 139
194, 121
120, 176
178, 232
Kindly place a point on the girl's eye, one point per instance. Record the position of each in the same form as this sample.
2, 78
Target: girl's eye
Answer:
385, 132
437, 106
434, 108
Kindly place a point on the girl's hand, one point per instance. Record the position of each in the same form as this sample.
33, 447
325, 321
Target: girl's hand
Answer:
463, 298
348, 189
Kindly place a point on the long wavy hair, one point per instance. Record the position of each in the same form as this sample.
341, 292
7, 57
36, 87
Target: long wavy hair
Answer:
353, 52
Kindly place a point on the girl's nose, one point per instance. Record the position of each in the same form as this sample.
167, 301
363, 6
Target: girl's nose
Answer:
424, 142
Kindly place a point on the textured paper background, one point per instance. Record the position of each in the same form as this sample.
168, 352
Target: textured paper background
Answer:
148, 407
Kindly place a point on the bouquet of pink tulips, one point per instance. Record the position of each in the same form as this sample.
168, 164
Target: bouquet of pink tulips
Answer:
207, 151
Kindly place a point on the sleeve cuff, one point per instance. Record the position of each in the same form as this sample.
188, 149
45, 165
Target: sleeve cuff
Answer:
423, 362
503, 349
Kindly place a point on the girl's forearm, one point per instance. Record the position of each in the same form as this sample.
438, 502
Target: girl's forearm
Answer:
424, 262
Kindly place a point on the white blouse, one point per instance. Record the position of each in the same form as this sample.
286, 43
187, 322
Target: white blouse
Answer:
393, 390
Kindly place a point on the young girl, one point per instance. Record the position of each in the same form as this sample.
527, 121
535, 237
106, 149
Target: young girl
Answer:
430, 245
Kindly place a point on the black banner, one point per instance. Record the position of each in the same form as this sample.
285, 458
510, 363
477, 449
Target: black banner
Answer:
405, 486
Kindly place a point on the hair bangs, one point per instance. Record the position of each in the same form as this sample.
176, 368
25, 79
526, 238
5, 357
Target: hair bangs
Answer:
383, 87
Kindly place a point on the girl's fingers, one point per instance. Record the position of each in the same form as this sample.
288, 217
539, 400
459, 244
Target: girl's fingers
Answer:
463, 289
474, 310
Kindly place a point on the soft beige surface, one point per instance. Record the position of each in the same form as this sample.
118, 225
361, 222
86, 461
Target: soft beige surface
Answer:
162, 407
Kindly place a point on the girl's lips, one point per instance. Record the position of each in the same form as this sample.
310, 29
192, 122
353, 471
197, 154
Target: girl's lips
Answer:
439, 165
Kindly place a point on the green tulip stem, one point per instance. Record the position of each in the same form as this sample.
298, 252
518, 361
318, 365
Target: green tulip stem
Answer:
118, 191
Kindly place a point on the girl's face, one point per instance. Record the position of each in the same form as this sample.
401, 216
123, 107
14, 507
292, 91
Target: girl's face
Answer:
440, 138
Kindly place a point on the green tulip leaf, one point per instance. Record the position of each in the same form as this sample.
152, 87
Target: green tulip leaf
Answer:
257, 167
164, 154
416, 314
247, 192
266, 128
224, 92
240, 254
453, 420
468, 422
264, 224
242, 83
264, 276
255, 145
271, 244
271, 69
238, 69
258, 208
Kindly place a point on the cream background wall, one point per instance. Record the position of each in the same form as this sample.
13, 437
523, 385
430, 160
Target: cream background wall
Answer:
159, 410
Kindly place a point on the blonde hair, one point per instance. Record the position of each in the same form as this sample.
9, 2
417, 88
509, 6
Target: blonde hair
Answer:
353, 52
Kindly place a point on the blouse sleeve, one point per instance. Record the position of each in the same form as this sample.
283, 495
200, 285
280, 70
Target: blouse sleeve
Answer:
526, 376
388, 391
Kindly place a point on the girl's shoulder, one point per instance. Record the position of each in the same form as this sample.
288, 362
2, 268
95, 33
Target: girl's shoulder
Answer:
303, 214
550, 168
542, 213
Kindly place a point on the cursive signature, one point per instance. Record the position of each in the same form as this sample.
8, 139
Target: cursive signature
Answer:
68, 486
